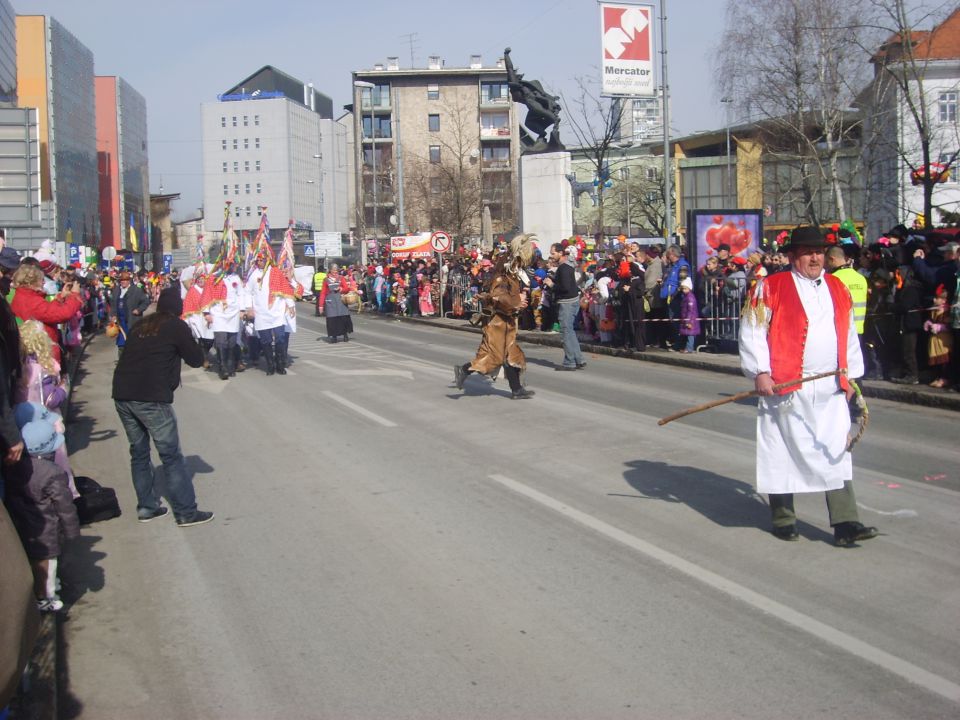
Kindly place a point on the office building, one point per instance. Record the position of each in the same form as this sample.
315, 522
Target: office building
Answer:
55, 76
271, 141
122, 165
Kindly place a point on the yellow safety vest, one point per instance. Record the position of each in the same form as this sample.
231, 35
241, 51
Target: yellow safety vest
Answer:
857, 285
318, 281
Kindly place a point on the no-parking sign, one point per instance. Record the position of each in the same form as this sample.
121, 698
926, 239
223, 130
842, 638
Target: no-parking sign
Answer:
440, 241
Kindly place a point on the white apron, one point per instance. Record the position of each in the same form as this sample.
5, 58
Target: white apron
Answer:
802, 437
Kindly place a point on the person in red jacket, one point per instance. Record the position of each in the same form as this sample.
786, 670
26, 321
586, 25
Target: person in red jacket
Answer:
31, 303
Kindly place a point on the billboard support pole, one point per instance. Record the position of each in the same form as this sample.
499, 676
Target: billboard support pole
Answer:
665, 98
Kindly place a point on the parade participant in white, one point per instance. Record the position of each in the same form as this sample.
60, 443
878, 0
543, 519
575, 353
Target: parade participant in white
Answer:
797, 324
224, 301
272, 302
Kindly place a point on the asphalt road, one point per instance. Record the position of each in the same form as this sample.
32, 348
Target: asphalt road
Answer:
389, 547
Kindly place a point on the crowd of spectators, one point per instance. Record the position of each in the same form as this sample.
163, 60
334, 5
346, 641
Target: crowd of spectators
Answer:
649, 297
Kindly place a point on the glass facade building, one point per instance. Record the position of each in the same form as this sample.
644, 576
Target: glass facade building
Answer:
8, 53
55, 75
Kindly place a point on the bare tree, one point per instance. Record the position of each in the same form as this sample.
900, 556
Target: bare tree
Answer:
903, 111
793, 66
445, 191
595, 122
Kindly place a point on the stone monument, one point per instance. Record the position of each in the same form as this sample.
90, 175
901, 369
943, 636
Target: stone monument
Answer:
546, 202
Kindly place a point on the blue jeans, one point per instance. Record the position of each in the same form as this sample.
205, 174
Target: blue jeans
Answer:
571, 345
145, 420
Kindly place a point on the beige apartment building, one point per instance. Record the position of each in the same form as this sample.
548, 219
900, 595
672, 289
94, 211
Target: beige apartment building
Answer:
438, 146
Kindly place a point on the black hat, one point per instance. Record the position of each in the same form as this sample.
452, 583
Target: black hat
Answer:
805, 236
9, 258
170, 301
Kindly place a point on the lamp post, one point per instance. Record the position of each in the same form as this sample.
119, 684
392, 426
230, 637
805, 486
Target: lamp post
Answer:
373, 151
726, 101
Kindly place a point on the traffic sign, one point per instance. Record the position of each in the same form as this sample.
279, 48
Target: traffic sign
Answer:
109, 253
308, 251
440, 241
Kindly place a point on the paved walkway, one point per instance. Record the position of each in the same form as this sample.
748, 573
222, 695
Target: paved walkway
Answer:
714, 362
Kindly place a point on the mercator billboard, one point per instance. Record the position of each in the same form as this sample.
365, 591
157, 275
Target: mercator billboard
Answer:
626, 38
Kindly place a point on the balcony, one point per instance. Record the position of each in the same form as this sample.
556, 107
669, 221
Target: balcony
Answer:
495, 165
495, 102
495, 133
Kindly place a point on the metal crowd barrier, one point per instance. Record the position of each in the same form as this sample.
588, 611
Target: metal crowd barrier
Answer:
720, 305
460, 299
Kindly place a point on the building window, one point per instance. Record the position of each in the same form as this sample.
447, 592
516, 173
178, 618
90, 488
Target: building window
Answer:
433, 92
226, 190
247, 188
494, 92
248, 211
258, 188
433, 123
256, 119
257, 143
236, 190
380, 94
224, 166
651, 173
236, 166
223, 121
223, 144
382, 128
234, 120
434, 186
237, 212
246, 166
245, 122
258, 166
948, 107
234, 143
246, 143
496, 156
950, 160
435, 154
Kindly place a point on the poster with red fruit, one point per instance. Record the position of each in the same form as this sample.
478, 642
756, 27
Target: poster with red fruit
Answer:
709, 231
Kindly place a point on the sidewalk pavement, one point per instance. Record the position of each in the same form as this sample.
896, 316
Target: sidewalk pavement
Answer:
713, 362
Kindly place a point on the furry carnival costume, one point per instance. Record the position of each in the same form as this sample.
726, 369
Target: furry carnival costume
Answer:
502, 303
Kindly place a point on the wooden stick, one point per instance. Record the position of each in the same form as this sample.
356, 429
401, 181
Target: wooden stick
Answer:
743, 396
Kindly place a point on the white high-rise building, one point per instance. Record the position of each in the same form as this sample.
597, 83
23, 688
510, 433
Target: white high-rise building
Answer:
272, 142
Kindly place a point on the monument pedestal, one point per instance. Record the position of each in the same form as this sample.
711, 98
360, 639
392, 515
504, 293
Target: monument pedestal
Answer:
546, 203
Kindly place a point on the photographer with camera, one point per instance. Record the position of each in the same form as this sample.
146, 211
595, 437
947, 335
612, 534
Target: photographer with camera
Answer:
30, 303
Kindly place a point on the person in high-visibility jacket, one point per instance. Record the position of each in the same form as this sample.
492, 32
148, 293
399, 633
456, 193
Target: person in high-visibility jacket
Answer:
839, 262
318, 278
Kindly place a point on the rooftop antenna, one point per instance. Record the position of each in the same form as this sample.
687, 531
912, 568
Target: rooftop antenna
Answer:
413, 40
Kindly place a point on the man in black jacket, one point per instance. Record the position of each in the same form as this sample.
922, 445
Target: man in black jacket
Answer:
143, 384
566, 295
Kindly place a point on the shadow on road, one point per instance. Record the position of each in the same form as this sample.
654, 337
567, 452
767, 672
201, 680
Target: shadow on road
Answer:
725, 501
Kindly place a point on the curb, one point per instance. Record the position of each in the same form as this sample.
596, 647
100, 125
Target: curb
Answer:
879, 389
40, 694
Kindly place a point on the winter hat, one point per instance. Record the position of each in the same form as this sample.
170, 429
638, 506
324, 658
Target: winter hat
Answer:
170, 301
687, 283
9, 258
40, 437
27, 412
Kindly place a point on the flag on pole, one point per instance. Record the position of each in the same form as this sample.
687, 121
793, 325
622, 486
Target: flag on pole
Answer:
133, 236
285, 259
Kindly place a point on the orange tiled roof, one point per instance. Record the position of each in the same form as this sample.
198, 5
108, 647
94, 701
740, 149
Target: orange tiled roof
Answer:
941, 43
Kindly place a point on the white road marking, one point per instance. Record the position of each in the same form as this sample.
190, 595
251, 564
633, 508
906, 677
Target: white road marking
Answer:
895, 513
361, 411
372, 371
830, 635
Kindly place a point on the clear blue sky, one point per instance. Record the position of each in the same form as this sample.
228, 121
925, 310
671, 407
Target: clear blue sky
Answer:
178, 54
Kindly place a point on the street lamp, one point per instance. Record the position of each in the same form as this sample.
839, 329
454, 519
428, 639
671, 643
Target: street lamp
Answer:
726, 101
319, 158
625, 177
373, 151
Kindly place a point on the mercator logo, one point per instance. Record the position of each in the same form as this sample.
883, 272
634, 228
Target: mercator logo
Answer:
626, 33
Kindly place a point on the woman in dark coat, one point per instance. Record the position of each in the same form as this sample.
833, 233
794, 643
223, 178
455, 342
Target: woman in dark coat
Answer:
339, 322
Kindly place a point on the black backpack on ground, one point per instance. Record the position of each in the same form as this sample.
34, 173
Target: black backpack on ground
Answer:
96, 502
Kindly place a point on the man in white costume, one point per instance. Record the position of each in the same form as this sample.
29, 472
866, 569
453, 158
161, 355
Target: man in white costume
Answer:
797, 324
224, 299
274, 310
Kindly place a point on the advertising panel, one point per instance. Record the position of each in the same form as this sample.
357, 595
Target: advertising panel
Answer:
626, 39
411, 246
740, 230
327, 244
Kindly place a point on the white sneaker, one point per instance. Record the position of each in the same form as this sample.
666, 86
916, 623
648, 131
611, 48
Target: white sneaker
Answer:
49, 604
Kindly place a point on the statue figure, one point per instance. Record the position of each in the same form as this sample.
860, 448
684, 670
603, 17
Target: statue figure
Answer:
543, 110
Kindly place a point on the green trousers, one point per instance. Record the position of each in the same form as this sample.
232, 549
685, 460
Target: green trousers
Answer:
841, 506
